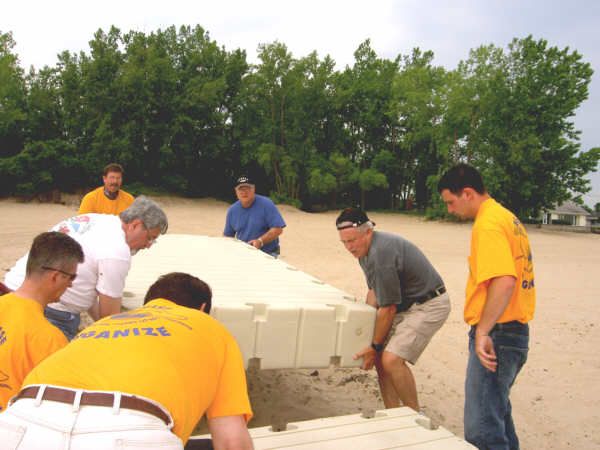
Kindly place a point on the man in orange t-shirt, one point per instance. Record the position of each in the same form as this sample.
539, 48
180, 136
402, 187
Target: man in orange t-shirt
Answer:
26, 336
500, 301
109, 198
146, 375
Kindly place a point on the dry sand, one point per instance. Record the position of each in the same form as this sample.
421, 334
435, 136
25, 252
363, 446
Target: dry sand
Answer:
556, 396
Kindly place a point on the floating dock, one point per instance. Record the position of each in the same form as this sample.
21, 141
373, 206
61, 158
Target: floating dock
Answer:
281, 317
396, 428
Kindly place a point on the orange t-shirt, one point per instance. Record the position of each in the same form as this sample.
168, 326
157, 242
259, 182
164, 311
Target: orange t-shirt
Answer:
97, 202
26, 338
179, 357
499, 246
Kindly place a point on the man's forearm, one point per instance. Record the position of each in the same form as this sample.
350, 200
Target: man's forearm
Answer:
383, 323
108, 306
230, 432
270, 235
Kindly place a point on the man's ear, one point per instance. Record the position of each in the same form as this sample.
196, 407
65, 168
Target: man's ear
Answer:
135, 223
202, 307
469, 193
53, 275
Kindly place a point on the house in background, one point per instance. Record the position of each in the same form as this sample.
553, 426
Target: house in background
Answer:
568, 211
594, 220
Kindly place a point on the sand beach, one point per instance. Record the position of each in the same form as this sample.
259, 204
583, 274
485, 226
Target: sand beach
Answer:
556, 396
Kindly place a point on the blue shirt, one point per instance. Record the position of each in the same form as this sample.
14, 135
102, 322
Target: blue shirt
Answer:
251, 223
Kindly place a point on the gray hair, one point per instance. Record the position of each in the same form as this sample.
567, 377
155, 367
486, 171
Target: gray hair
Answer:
148, 211
368, 225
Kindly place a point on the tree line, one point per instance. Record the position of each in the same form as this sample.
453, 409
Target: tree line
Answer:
184, 115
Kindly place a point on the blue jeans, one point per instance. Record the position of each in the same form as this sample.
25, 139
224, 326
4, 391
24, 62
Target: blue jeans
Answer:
488, 418
66, 322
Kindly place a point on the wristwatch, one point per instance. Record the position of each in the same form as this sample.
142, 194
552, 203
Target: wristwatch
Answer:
377, 347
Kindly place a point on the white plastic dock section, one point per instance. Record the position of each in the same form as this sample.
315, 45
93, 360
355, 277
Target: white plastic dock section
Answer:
279, 315
397, 428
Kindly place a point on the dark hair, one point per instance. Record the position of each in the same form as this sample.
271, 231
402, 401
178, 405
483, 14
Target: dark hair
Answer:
113, 167
459, 177
53, 249
183, 289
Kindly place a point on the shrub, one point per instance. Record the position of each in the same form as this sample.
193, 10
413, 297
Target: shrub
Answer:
282, 198
561, 222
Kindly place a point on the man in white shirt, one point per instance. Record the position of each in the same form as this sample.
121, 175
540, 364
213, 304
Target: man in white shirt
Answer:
108, 243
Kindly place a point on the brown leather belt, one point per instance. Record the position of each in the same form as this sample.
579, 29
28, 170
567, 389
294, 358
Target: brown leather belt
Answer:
94, 399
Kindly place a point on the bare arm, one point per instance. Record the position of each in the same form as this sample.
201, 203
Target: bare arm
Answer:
94, 311
269, 236
383, 323
371, 299
108, 305
498, 297
230, 433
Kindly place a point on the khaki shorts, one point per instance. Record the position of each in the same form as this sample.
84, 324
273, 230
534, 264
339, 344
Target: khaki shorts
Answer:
412, 329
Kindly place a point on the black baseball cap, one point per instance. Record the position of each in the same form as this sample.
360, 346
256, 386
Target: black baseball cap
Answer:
355, 216
244, 179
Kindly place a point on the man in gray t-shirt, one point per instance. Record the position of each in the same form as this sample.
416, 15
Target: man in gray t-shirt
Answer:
411, 301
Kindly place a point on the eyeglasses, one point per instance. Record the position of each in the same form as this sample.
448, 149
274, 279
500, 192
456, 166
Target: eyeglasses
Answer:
72, 276
149, 238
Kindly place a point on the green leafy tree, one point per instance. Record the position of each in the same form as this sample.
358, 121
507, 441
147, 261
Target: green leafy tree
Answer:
43, 106
41, 167
321, 182
416, 110
332, 176
261, 116
369, 180
71, 98
524, 140
363, 97
285, 118
12, 99
396, 172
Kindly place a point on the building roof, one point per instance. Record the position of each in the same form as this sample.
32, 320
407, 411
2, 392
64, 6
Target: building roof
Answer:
570, 208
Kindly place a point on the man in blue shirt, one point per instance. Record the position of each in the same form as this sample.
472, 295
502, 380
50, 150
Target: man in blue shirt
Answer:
254, 219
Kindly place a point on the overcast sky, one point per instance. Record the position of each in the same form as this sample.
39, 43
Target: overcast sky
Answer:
43, 29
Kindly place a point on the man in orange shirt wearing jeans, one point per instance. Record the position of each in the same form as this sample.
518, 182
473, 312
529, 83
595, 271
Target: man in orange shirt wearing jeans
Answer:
500, 301
142, 379
26, 336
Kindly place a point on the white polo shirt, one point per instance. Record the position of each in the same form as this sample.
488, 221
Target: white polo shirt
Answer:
107, 261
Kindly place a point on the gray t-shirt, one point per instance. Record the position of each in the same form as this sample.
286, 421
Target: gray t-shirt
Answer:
397, 270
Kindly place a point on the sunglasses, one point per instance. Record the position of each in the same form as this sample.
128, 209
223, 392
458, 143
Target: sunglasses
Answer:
72, 276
